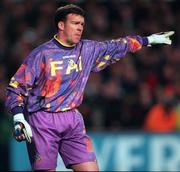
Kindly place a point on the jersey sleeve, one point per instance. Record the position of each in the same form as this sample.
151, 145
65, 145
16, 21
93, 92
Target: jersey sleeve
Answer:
109, 52
22, 82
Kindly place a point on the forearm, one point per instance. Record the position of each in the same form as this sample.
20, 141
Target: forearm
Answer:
135, 43
14, 101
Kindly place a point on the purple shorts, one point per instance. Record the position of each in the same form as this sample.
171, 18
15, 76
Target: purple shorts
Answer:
62, 133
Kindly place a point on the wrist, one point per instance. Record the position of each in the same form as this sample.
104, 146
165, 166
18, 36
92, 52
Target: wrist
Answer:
16, 110
145, 41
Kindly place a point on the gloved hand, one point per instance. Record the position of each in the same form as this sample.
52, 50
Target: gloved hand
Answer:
22, 130
160, 38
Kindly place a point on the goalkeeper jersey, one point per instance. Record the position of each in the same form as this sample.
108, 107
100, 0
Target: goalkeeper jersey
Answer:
53, 77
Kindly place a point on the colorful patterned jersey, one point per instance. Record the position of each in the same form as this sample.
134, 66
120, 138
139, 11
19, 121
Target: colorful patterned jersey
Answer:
53, 77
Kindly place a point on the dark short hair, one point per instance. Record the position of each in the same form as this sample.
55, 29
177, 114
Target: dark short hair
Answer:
62, 12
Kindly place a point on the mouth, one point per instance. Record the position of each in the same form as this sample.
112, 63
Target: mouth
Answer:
78, 35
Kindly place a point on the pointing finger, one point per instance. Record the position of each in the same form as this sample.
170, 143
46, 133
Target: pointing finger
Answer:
167, 34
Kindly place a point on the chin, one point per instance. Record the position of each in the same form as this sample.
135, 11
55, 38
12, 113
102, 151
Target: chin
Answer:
76, 41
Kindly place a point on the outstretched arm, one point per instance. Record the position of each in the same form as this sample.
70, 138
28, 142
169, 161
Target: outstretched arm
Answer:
109, 52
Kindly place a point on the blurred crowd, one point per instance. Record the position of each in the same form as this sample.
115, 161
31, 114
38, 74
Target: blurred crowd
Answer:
141, 92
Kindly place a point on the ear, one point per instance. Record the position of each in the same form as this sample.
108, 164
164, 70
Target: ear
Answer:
61, 25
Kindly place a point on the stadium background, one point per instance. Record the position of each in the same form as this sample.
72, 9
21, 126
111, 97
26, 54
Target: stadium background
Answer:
118, 99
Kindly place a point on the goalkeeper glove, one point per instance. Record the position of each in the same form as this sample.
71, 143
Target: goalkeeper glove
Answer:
22, 130
160, 38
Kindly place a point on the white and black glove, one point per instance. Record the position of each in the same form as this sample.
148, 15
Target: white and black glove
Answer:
160, 38
22, 130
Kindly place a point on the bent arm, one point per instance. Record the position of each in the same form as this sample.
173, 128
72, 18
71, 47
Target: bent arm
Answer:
21, 83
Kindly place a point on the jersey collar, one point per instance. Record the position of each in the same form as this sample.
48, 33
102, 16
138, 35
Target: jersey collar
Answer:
62, 44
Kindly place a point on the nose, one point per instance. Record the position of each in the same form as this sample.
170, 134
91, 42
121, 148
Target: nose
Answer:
80, 27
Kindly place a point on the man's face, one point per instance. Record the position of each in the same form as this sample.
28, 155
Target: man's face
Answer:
72, 28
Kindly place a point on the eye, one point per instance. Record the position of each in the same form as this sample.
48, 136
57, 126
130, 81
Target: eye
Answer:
75, 23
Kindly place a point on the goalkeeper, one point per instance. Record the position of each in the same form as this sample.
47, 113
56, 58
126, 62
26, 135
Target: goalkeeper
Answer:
45, 92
